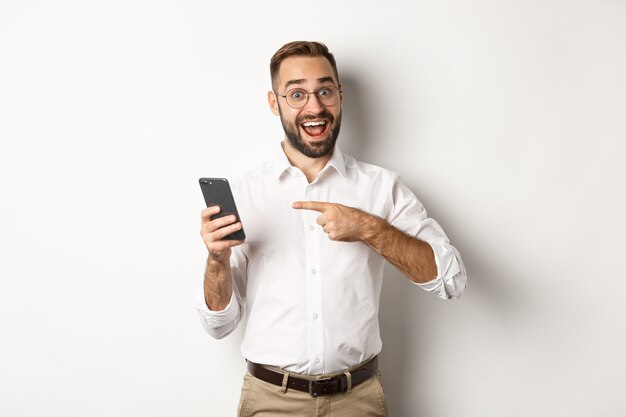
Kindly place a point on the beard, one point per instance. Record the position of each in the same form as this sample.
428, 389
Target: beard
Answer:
316, 149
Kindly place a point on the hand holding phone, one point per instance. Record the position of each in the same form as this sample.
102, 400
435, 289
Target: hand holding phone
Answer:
217, 192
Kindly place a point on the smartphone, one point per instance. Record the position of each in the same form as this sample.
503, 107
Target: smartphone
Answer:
216, 192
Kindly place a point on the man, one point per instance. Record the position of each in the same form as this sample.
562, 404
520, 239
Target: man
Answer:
319, 226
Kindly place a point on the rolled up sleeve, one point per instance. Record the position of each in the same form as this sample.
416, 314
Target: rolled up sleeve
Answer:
409, 215
217, 323
451, 277
221, 323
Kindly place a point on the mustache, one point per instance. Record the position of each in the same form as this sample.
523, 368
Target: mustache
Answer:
324, 114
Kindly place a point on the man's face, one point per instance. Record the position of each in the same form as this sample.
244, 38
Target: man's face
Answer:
312, 129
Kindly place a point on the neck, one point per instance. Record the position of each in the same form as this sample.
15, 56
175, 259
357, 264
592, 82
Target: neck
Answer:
311, 167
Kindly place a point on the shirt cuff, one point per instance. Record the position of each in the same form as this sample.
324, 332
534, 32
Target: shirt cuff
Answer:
451, 277
216, 319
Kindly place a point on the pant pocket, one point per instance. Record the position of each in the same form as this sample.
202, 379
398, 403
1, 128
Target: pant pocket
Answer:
248, 381
381, 393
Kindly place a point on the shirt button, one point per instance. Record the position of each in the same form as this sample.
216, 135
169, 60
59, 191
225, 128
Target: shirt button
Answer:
317, 360
313, 271
315, 316
311, 228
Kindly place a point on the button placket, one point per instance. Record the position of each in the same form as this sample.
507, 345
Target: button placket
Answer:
314, 285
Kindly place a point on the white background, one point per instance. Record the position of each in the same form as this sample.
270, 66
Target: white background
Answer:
506, 118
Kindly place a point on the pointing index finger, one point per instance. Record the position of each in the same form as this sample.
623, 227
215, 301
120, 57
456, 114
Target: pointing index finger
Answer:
310, 205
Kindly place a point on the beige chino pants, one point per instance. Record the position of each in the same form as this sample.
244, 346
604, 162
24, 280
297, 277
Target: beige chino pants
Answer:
262, 399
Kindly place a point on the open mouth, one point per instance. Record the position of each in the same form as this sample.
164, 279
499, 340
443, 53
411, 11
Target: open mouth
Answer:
316, 128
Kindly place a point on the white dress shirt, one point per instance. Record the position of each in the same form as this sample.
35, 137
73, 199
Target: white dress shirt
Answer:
311, 304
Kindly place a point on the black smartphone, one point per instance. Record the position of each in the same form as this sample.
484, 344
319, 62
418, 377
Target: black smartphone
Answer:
216, 192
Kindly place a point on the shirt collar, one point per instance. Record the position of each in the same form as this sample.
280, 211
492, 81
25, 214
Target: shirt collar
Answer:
338, 161
281, 164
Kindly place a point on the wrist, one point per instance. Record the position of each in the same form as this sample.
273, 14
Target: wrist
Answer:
215, 264
373, 230
222, 258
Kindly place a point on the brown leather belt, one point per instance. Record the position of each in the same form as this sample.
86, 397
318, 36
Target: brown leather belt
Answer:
315, 387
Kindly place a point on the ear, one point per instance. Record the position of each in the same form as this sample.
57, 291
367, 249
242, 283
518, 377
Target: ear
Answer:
272, 100
340, 93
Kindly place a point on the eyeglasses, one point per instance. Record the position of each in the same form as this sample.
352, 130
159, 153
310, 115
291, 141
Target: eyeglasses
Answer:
298, 97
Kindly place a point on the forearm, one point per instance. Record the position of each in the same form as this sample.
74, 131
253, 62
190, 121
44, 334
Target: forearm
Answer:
218, 284
413, 257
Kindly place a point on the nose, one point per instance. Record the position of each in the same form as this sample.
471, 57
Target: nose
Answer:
313, 104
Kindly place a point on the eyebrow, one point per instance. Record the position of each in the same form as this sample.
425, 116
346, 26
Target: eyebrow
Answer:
302, 81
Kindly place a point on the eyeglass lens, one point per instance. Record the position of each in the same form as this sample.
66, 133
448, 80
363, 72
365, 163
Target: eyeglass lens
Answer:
298, 97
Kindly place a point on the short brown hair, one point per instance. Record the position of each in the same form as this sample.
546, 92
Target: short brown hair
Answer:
300, 48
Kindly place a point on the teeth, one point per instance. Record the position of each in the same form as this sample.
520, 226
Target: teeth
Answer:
308, 124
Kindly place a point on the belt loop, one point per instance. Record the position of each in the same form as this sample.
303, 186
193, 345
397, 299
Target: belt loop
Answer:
283, 388
349, 378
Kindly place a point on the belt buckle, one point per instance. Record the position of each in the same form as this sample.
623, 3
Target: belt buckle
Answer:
337, 383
